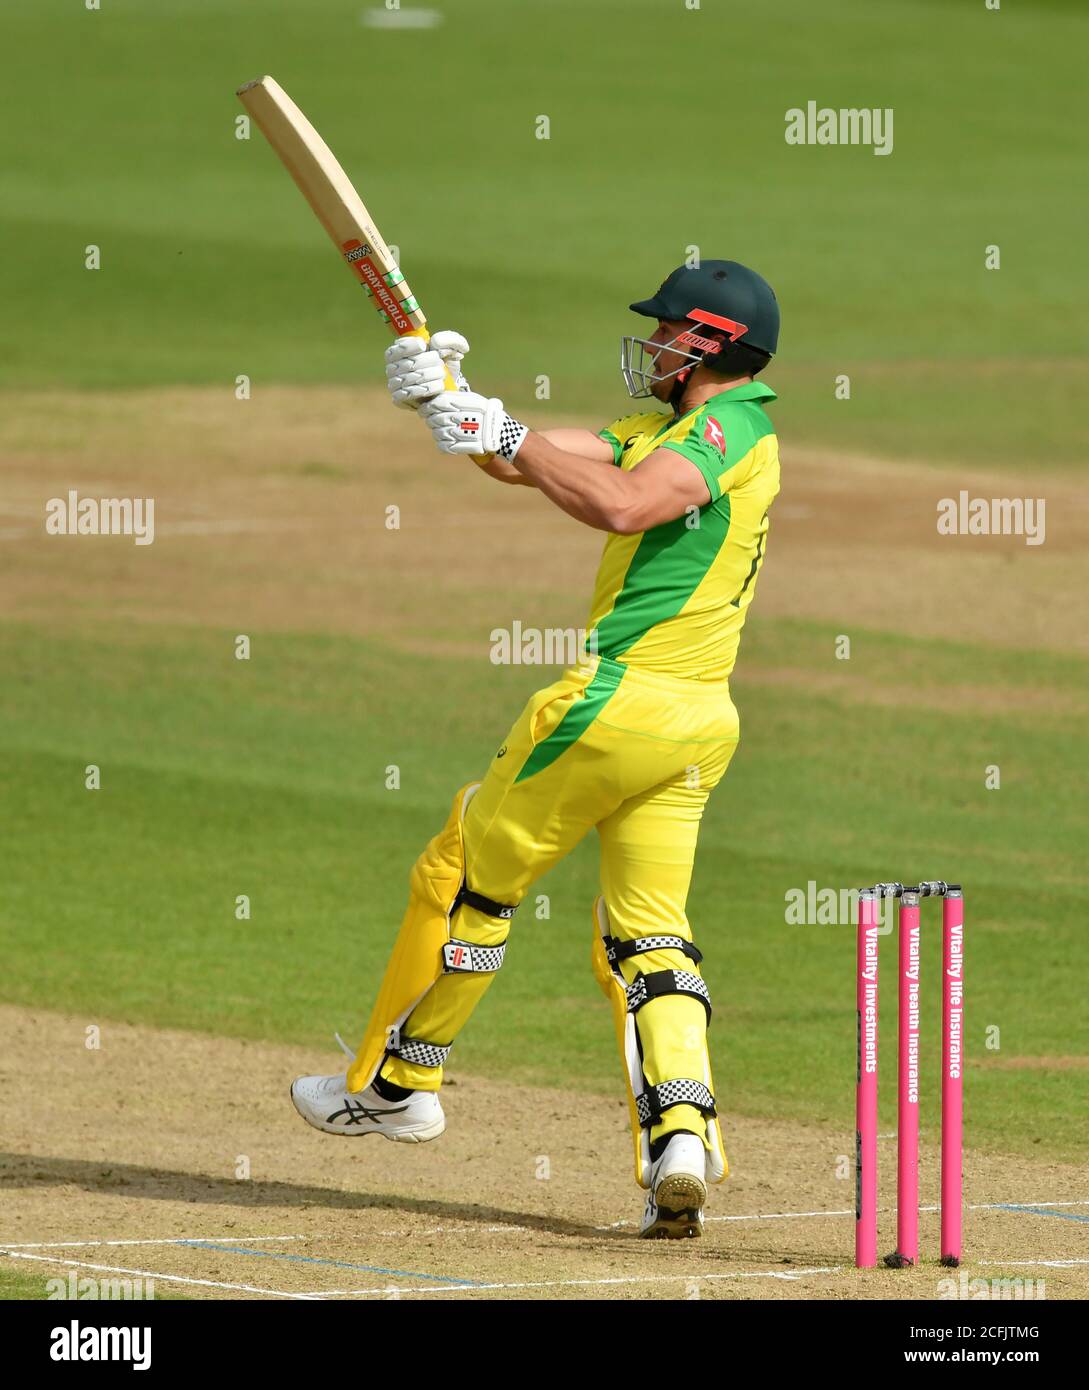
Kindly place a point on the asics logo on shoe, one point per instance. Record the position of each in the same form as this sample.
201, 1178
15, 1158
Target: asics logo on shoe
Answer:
356, 1112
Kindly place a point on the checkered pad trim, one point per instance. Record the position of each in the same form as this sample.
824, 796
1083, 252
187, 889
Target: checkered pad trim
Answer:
511, 434
656, 1099
616, 950
661, 982
466, 957
424, 1054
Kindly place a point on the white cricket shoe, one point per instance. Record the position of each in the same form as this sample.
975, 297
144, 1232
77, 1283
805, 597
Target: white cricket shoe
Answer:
678, 1191
326, 1103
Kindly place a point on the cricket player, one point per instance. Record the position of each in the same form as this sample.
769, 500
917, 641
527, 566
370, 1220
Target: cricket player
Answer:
629, 743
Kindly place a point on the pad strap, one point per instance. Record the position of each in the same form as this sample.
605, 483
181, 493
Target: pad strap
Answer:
467, 957
617, 950
482, 904
423, 1054
657, 1099
653, 986
458, 958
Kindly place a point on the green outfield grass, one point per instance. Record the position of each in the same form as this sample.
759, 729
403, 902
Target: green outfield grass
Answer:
266, 778
667, 131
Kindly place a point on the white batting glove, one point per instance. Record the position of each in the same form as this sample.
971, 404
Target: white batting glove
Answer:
416, 370
452, 348
464, 422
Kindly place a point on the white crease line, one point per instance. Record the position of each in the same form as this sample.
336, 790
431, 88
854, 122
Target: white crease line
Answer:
788, 1276
778, 1215
164, 1240
399, 1234
154, 1274
507, 1228
972, 1206
1051, 1264
849, 1211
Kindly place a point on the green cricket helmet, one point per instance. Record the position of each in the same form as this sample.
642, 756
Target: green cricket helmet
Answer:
734, 319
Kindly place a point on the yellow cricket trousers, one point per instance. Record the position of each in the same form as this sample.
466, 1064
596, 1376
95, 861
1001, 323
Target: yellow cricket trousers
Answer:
633, 754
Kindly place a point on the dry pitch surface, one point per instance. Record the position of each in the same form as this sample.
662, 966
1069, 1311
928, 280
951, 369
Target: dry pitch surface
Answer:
136, 1175
271, 514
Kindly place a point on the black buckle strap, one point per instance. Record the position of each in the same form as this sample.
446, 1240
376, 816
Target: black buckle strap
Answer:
655, 1100
647, 987
482, 904
617, 950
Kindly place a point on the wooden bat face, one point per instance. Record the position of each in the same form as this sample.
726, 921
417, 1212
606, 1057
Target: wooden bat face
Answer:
336, 204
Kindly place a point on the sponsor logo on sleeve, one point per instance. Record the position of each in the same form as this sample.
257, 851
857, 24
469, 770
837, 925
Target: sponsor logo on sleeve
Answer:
712, 432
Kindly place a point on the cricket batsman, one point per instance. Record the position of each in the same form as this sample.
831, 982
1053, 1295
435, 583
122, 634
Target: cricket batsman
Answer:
629, 742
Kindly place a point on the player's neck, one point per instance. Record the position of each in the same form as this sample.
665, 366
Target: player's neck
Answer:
701, 389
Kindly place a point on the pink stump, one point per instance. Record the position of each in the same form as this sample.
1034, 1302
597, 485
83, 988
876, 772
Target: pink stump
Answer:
907, 1099
952, 1073
866, 1092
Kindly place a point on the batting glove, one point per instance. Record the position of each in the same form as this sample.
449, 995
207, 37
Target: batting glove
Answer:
416, 369
464, 422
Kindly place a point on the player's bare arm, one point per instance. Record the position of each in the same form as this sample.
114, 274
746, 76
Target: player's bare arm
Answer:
584, 445
598, 493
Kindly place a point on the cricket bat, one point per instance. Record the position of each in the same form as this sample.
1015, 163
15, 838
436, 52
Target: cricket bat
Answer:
336, 204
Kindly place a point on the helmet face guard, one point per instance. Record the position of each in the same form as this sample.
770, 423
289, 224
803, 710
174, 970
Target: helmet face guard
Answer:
639, 358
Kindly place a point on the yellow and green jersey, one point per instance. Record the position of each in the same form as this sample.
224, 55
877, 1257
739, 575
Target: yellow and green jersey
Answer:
674, 598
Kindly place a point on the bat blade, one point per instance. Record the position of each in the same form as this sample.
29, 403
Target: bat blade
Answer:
335, 203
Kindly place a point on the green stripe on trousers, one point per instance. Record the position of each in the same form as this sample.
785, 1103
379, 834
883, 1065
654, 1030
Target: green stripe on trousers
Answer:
575, 722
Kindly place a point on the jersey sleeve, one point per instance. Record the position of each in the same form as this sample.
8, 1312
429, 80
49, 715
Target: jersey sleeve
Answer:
610, 437
620, 431
715, 441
